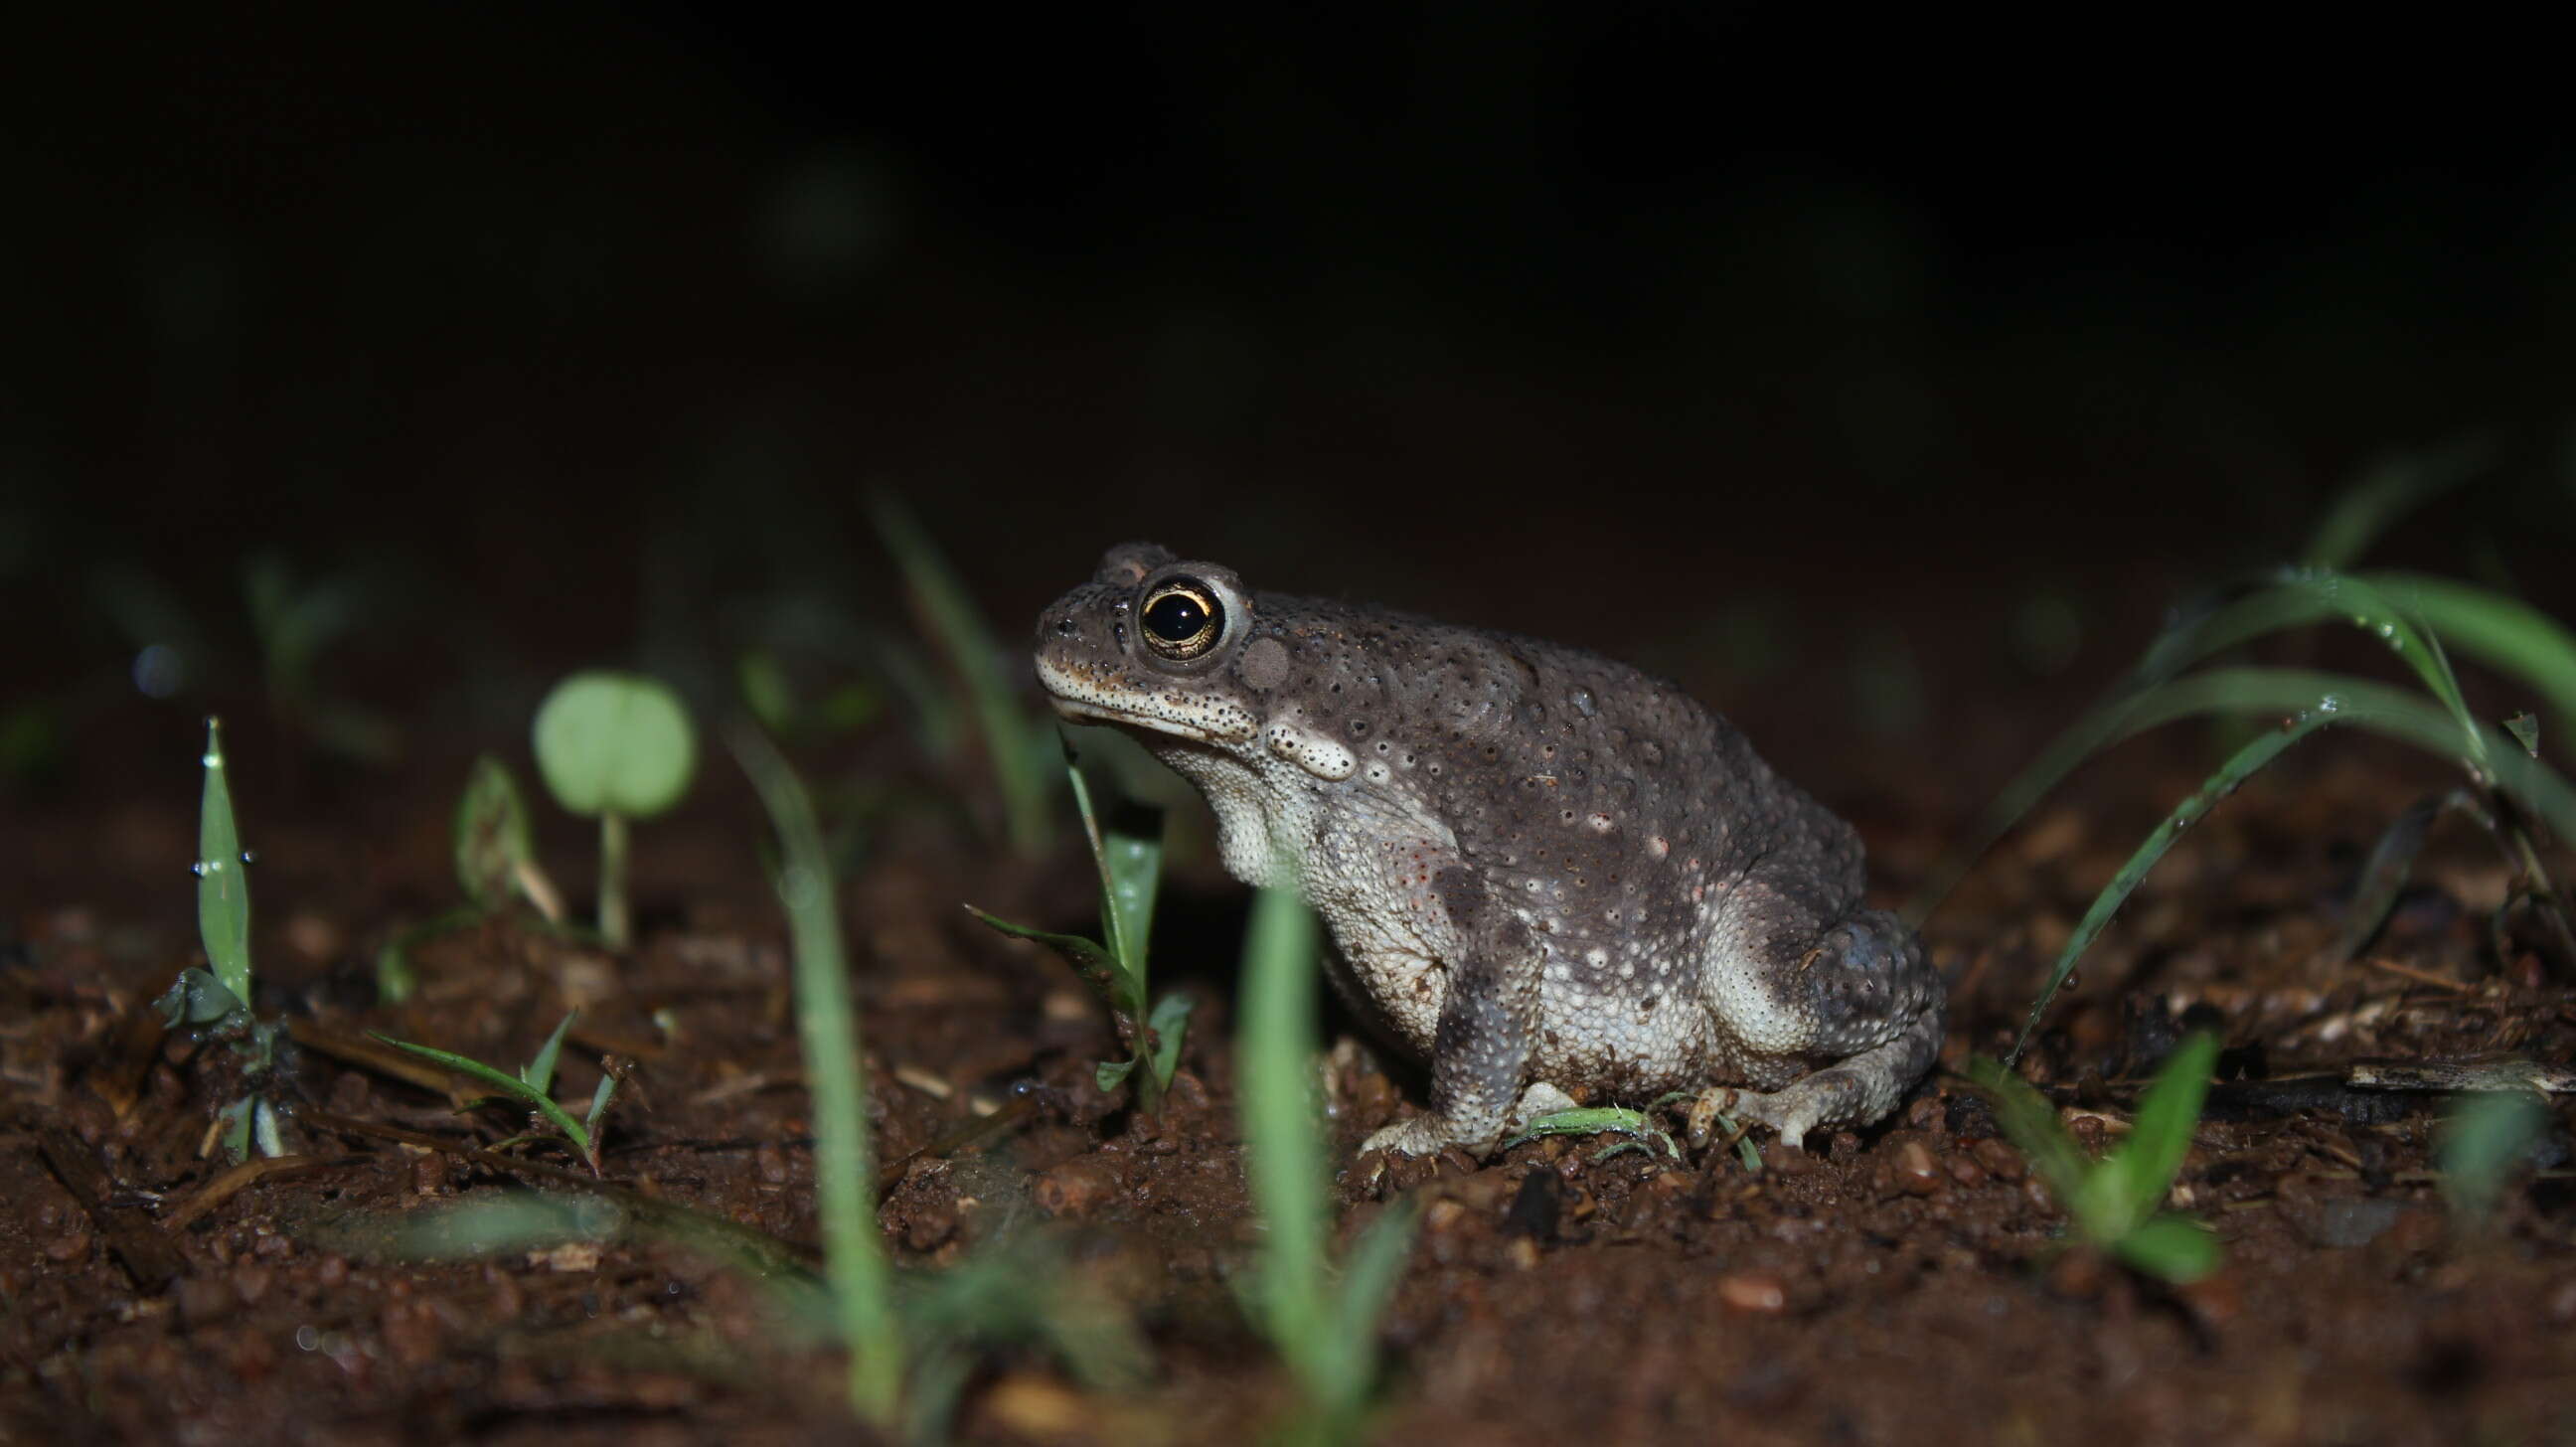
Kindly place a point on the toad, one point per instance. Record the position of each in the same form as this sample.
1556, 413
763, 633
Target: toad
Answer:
1551, 876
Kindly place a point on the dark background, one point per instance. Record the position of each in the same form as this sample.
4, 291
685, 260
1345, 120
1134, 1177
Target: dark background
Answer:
1854, 370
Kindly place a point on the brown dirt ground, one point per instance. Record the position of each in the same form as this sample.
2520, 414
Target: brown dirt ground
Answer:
1901, 1284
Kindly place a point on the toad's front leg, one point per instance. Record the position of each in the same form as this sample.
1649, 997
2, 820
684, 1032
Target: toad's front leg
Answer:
1480, 1049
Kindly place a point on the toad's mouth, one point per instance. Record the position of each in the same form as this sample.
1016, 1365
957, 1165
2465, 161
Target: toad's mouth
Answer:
1086, 711
1078, 694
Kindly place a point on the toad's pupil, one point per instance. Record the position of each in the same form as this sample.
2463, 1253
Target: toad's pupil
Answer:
1176, 617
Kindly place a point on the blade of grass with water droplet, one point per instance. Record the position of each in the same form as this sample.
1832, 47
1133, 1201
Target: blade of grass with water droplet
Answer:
223, 881
2288, 598
2502, 632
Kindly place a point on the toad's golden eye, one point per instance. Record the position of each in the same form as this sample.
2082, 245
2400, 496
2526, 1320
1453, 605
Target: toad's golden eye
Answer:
1183, 619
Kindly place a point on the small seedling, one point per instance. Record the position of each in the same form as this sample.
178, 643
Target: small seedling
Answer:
1325, 1331
2117, 1203
496, 852
1129, 854
618, 746
533, 1087
217, 999
496, 862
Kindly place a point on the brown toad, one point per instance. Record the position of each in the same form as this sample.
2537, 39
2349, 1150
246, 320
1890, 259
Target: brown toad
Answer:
1551, 875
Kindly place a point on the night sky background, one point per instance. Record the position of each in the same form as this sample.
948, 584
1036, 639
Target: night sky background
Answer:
1709, 336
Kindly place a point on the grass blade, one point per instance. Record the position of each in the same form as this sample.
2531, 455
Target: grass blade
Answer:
2253, 756
2392, 863
2161, 1134
540, 1072
2504, 633
503, 1081
2176, 1248
959, 626
827, 1028
2289, 598
1171, 1024
1087, 956
223, 879
2391, 489
1368, 1284
2031, 1124
1283, 1145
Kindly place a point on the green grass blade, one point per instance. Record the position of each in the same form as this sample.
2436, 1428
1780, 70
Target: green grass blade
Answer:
959, 626
2480, 1143
2391, 489
1089, 958
600, 1096
1131, 873
2392, 863
223, 879
1130, 862
539, 1073
2309, 700
827, 1028
2253, 756
1171, 1024
2291, 598
2031, 1124
1369, 1280
503, 1081
2504, 633
2174, 1248
2168, 1113
1282, 1141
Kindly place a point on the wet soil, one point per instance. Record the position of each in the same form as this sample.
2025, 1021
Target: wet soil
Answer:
1908, 1282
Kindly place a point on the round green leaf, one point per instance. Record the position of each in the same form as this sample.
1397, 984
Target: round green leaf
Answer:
615, 743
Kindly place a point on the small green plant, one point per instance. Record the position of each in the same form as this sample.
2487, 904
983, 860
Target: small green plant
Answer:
532, 1087
1325, 1331
2507, 788
2507, 781
618, 746
216, 1000
2116, 1203
496, 851
1129, 854
862, 1302
496, 863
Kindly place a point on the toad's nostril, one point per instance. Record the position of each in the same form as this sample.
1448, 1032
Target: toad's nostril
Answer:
1064, 626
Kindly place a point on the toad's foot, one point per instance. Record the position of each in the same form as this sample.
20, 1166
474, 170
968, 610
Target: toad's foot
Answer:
1836, 1096
1424, 1134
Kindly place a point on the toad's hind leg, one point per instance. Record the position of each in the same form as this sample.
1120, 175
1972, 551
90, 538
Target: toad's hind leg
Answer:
1873, 1005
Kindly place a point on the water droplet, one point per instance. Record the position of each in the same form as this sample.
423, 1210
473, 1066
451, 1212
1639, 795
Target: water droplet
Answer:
209, 866
159, 671
2329, 704
211, 760
198, 869
249, 858
1583, 702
